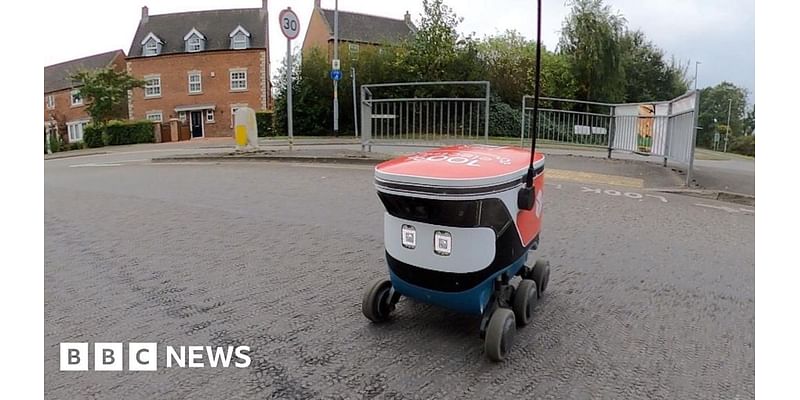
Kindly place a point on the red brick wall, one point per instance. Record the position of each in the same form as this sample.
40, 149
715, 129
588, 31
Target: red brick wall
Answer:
64, 112
214, 68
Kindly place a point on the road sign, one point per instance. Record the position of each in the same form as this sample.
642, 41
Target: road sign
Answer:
336, 64
290, 24
336, 74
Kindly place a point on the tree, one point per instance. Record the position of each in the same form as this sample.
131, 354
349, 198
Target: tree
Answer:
714, 105
106, 92
590, 38
648, 77
749, 122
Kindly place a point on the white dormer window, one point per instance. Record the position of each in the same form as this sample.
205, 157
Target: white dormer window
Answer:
240, 38
151, 45
195, 41
240, 41
194, 45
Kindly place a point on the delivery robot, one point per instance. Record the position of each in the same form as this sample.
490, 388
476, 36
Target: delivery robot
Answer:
459, 224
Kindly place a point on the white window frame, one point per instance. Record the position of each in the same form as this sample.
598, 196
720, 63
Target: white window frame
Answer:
236, 83
75, 93
150, 48
50, 101
239, 41
150, 90
199, 82
210, 116
75, 130
155, 116
194, 44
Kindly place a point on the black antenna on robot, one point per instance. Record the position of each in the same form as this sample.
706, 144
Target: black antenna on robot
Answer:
529, 178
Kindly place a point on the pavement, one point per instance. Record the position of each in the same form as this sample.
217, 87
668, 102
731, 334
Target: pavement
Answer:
651, 297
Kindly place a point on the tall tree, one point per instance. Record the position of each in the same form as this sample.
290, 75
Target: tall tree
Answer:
106, 91
590, 38
714, 105
648, 76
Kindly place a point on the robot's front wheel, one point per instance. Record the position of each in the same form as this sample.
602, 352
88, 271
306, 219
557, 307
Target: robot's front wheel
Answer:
379, 300
500, 334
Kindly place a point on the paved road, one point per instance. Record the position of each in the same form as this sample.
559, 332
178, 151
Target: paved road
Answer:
650, 297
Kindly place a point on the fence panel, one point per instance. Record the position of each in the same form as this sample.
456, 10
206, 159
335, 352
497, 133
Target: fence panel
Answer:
568, 121
415, 112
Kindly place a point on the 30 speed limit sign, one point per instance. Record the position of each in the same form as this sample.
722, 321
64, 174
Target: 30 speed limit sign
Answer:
290, 24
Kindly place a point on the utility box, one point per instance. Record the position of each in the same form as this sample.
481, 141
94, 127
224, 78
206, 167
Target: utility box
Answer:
245, 129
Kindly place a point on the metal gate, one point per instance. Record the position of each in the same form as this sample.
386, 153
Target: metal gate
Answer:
662, 129
429, 112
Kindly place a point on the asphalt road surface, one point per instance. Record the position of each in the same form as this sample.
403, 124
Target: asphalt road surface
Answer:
651, 296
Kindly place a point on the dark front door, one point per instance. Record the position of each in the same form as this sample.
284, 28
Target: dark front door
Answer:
197, 124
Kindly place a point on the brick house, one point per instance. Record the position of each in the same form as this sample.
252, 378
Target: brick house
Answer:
355, 30
200, 67
64, 109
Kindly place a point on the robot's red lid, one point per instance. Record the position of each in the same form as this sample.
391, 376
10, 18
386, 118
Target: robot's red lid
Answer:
463, 166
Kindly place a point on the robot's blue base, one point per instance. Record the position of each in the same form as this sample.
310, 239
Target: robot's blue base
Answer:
471, 301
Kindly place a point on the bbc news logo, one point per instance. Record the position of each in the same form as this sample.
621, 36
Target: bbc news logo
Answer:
144, 356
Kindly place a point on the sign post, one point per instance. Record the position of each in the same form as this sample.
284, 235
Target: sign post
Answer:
290, 26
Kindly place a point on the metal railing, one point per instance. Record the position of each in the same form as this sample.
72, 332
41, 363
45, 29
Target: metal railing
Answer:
568, 121
663, 129
414, 112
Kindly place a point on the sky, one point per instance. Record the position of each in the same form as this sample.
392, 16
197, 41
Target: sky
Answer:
718, 33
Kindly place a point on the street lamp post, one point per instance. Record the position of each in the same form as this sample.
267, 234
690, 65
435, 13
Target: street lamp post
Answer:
694, 132
728, 132
336, 57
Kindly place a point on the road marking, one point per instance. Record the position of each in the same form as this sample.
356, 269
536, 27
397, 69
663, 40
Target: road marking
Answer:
588, 177
731, 210
617, 193
95, 165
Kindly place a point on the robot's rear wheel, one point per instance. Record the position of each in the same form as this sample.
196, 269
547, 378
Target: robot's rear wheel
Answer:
540, 273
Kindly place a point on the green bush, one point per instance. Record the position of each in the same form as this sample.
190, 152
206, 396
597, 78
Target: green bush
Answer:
129, 132
93, 136
503, 119
76, 146
55, 143
745, 145
265, 123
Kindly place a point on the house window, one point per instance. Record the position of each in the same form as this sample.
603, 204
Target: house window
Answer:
152, 86
238, 80
50, 101
194, 44
154, 116
75, 98
209, 115
151, 48
239, 41
75, 131
195, 83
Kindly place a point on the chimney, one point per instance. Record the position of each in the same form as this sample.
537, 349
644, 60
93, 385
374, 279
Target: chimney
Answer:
145, 14
407, 18
264, 5
317, 4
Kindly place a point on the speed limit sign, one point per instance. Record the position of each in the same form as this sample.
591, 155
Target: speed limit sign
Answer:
290, 24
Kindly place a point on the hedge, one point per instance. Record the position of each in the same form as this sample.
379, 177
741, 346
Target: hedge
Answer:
129, 132
93, 136
265, 122
745, 145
